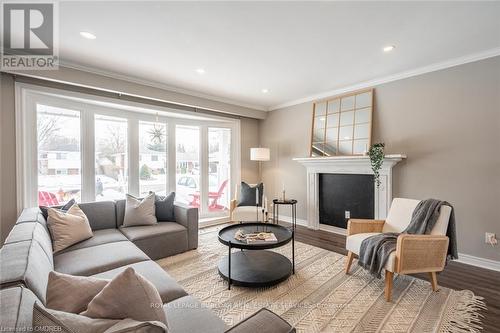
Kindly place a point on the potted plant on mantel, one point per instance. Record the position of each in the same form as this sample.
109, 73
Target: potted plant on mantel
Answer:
376, 154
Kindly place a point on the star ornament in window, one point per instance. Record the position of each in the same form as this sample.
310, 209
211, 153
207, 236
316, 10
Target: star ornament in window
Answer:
157, 134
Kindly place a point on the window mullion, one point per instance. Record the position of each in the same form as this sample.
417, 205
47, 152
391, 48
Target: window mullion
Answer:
171, 157
133, 157
87, 139
204, 188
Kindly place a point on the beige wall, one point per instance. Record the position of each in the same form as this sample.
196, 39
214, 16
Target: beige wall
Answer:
249, 138
8, 210
447, 122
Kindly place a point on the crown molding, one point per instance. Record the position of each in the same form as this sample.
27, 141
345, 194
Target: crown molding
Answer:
394, 77
155, 84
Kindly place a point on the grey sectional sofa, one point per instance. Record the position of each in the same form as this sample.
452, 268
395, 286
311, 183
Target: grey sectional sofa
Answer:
27, 258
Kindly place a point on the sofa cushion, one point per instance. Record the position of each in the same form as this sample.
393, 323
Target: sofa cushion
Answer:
25, 263
68, 228
96, 259
142, 232
127, 295
139, 211
101, 214
71, 293
353, 244
31, 215
29, 231
16, 307
262, 321
160, 240
187, 314
168, 288
102, 236
246, 214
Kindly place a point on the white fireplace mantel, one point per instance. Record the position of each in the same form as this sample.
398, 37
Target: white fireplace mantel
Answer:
350, 165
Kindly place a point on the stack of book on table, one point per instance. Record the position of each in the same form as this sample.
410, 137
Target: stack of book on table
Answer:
256, 237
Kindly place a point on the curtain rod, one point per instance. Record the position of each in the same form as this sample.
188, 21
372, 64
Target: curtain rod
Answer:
116, 95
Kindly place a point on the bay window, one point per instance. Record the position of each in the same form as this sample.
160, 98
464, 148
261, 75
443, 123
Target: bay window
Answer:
111, 158
152, 158
93, 148
59, 157
187, 170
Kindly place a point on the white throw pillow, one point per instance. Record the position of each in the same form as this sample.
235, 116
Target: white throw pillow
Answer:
139, 212
68, 228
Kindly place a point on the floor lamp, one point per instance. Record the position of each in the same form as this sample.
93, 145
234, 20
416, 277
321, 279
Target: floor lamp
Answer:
260, 155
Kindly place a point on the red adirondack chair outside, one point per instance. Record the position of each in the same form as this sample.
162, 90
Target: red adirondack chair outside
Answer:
212, 196
47, 199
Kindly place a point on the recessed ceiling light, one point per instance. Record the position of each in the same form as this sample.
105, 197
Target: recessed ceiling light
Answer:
88, 35
265, 91
389, 48
200, 71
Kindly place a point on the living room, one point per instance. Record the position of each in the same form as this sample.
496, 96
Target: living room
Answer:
250, 166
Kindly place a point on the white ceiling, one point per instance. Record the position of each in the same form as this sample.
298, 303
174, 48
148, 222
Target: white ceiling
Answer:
294, 49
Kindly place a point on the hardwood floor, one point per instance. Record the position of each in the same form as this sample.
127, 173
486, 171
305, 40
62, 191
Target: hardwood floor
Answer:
482, 282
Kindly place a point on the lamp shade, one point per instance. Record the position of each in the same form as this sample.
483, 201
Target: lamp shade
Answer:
260, 154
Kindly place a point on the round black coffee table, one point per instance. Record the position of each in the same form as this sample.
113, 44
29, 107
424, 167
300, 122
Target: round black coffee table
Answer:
256, 267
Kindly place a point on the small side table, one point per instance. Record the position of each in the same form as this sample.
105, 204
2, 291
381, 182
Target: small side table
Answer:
293, 205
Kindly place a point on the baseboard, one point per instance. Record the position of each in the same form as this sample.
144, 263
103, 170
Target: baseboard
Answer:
479, 262
288, 219
463, 258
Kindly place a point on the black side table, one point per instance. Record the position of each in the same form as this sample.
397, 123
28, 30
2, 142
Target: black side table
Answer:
290, 202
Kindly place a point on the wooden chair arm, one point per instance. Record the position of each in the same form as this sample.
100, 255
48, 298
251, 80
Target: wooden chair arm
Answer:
233, 204
360, 226
421, 253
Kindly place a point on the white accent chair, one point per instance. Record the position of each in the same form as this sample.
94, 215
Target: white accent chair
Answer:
414, 253
248, 213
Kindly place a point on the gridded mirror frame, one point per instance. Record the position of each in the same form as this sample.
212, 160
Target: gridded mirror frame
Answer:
342, 125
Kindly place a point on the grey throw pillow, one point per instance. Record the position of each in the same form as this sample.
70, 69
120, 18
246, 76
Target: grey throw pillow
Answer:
64, 208
165, 207
139, 212
248, 194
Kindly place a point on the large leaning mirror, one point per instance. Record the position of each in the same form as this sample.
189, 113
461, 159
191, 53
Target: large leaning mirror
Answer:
342, 125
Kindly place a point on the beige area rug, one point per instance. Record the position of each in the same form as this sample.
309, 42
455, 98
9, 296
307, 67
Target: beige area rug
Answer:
321, 298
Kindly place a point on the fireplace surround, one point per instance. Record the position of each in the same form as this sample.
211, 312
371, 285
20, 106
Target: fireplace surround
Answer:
347, 165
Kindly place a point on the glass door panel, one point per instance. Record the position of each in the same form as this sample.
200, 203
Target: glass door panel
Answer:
219, 167
152, 158
187, 187
59, 155
111, 158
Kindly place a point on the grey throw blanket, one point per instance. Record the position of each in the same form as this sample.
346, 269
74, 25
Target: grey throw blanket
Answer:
375, 250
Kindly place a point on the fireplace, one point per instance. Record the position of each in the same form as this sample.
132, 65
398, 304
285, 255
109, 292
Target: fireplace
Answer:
320, 169
344, 196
